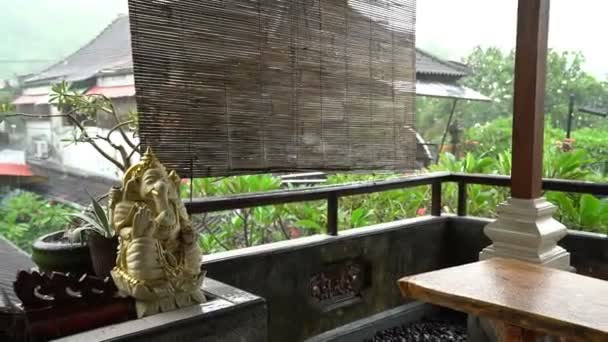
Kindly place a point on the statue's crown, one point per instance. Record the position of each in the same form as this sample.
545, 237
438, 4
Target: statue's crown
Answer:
148, 161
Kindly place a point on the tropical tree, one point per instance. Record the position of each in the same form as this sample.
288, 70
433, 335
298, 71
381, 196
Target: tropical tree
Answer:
492, 75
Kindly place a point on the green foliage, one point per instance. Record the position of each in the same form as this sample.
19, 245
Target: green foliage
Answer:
93, 220
566, 165
252, 226
489, 138
248, 226
6, 107
587, 161
25, 216
594, 141
481, 200
469, 163
492, 75
81, 110
585, 212
363, 210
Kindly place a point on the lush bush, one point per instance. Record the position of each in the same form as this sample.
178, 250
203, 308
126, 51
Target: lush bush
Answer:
492, 75
582, 212
253, 226
24, 216
481, 200
363, 210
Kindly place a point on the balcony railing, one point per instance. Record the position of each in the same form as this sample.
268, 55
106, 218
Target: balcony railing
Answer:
332, 194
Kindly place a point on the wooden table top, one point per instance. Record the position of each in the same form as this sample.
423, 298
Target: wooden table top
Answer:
529, 296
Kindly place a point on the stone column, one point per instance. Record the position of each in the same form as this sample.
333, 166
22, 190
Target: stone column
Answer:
525, 228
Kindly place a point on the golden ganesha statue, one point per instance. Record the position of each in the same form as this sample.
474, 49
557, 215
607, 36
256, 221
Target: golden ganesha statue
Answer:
159, 259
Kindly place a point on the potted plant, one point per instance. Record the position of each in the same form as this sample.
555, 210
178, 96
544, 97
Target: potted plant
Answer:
57, 252
25, 217
95, 227
63, 251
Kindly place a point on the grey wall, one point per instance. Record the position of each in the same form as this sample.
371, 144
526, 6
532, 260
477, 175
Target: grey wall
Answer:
281, 272
466, 239
588, 253
282, 276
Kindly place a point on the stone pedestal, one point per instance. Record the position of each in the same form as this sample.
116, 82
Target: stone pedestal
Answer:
526, 230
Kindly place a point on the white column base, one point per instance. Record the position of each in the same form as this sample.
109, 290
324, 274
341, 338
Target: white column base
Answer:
526, 230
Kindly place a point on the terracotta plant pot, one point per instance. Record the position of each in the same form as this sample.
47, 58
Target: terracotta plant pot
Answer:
56, 253
103, 253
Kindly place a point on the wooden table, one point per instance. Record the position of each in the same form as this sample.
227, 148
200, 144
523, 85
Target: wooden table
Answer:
526, 299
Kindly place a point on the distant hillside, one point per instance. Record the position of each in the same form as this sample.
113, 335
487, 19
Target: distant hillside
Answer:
36, 33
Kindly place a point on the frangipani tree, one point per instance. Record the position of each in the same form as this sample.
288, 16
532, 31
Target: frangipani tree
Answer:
81, 110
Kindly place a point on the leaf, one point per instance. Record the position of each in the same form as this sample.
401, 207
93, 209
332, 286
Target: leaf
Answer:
309, 224
90, 224
565, 204
589, 210
101, 215
358, 217
77, 235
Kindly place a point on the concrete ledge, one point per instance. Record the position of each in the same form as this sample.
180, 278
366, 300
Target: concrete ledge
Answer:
314, 240
229, 315
368, 327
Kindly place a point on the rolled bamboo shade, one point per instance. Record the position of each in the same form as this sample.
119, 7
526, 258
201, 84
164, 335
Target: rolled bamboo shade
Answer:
246, 86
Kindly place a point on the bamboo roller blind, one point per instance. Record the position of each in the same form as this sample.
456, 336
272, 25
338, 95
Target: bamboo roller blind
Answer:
245, 86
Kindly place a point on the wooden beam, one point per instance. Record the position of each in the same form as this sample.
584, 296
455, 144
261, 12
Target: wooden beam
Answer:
529, 98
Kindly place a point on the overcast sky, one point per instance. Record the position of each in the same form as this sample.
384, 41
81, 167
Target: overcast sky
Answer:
452, 28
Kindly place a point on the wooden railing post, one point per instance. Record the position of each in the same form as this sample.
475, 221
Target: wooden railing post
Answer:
332, 214
462, 198
436, 198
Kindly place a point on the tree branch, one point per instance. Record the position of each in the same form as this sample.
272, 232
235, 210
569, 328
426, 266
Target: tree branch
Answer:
219, 242
245, 218
136, 149
282, 228
112, 111
118, 126
205, 226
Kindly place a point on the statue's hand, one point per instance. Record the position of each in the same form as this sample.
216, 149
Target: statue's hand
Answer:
143, 225
166, 218
189, 236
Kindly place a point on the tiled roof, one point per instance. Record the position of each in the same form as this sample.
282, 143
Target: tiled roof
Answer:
12, 261
110, 50
427, 64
